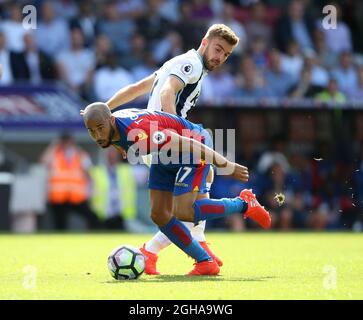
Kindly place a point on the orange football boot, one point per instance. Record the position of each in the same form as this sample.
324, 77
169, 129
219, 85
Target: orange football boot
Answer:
211, 254
205, 268
150, 261
255, 211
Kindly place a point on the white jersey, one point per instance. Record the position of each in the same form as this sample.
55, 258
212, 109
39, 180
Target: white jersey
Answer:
187, 67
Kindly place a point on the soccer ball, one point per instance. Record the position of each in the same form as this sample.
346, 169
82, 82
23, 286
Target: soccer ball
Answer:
126, 262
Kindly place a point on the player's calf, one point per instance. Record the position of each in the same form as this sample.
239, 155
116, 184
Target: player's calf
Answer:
246, 203
184, 214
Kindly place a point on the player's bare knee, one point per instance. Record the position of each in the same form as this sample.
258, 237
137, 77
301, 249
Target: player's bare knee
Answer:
160, 217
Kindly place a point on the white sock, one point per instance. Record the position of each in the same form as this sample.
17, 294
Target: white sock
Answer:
160, 241
198, 231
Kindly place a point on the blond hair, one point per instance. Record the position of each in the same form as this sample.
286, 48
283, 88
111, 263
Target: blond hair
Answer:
222, 31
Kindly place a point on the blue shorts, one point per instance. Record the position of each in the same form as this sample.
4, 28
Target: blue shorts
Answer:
180, 178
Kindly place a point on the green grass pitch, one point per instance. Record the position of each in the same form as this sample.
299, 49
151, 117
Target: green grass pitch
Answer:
256, 266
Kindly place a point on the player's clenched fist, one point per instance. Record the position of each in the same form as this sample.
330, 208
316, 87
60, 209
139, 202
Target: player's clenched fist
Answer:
240, 172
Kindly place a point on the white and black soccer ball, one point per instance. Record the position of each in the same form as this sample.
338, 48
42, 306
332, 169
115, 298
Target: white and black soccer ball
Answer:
126, 262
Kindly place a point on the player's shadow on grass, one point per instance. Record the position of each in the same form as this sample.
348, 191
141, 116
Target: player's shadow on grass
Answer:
184, 278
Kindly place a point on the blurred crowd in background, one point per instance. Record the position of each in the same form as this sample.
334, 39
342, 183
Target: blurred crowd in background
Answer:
98, 47
322, 187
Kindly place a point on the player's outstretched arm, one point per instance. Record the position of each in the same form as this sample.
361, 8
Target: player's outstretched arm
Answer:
184, 144
131, 92
169, 92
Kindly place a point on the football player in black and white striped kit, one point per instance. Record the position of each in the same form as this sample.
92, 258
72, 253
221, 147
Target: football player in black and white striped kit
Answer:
175, 88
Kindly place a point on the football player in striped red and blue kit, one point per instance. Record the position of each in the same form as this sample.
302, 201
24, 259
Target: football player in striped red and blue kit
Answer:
143, 132
175, 88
